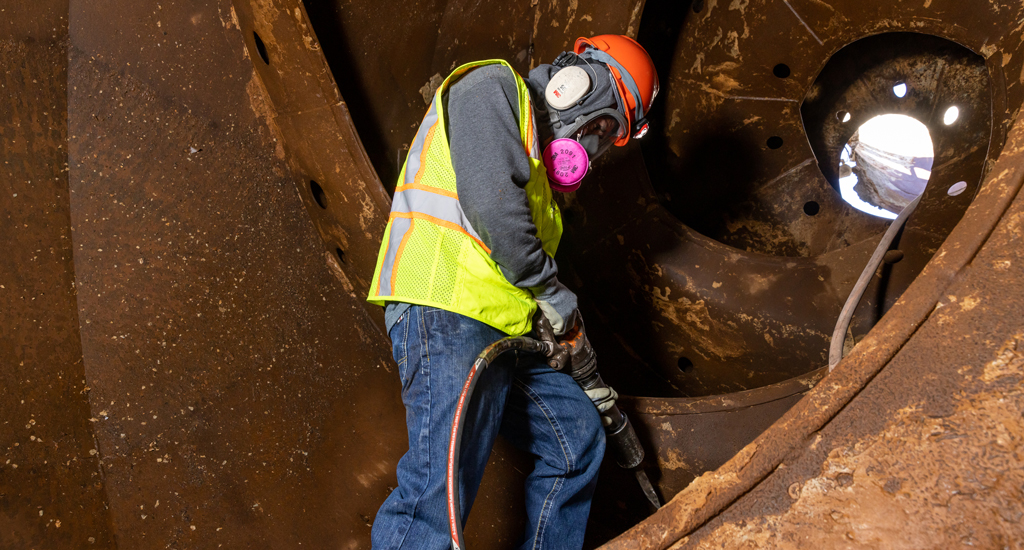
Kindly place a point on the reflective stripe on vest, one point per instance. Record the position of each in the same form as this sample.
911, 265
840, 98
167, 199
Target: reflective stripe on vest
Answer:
431, 254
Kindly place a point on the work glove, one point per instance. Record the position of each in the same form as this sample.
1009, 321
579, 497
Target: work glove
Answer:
558, 355
558, 323
604, 399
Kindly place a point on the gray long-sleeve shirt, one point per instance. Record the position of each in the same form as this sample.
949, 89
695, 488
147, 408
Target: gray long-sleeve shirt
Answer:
491, 173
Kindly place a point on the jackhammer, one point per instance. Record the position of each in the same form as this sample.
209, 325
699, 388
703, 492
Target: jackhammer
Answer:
574, 351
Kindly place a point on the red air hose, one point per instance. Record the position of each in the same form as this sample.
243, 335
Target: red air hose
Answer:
485, 358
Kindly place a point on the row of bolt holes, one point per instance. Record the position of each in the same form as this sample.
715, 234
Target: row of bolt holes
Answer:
811, 208
900, 90
321, 200
685, 365
951, 115
314, 188
781, 70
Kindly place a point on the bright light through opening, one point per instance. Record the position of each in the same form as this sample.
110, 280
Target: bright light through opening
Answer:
900, 89
951, 115
894, 154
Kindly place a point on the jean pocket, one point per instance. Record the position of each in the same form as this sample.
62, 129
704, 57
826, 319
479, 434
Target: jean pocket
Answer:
400, 343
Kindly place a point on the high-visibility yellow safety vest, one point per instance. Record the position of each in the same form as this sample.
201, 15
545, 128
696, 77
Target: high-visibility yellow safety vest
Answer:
431, 255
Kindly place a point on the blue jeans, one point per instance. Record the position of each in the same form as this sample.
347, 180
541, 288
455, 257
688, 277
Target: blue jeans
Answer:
537, 409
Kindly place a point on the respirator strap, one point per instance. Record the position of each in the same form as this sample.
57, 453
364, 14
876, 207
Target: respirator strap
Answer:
627, 79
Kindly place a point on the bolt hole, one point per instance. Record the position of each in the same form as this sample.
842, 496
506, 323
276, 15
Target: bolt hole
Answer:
900, 89
811, 208
261, 48
341, 254
318, 194
698, 5
781, 70
774, 142
843, 116
957, 188
685, 364
893, 257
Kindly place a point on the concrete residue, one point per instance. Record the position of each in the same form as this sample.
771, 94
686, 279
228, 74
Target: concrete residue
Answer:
708, 335
1009, 360
264, 109
573, 4
430, 87
740, 5
856, 502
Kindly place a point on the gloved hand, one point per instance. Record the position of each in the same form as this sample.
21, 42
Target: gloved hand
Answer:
558, 356
558, 323
604, 399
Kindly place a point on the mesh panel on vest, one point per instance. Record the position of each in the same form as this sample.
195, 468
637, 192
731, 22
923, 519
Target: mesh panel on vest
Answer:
417, 262
448, 266
439, 171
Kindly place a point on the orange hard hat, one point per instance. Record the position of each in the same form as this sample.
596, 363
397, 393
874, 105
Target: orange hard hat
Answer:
635, 77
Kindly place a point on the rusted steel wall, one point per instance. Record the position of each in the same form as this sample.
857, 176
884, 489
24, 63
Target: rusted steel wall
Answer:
220, 185
914, 440
794, 454
52, 494
240, 390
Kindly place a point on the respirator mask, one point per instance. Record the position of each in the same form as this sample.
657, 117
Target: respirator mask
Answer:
567, 157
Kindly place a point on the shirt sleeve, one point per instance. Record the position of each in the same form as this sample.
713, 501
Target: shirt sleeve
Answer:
491, 173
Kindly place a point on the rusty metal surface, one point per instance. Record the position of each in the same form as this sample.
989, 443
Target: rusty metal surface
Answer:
899, 372
683, 438
224, 214
723, 103
241, 392
928, 454
51, 492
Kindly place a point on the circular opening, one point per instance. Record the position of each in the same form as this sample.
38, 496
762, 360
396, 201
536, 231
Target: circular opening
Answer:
811, 208
698, 5
843, 116
900, 89
340, 253
685, 364
781, 70
318, 193
957, 188
261, 48
774, 142
951, 115
893, 257
885, 165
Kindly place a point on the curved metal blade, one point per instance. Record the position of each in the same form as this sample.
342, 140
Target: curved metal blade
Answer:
645, 484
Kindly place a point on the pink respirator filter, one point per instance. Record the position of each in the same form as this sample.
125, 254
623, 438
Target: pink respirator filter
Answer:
567, 162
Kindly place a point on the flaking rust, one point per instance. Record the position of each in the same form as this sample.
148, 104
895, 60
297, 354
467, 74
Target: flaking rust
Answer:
184, 331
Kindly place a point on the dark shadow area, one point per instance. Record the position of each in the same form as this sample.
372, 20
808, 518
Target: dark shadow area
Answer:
332, 33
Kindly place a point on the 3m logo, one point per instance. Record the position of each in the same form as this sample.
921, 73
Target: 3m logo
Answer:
557, 93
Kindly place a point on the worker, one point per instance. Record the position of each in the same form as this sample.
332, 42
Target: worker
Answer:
467, 258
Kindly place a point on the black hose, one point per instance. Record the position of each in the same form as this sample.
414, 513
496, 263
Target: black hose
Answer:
489, 354
835, 352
